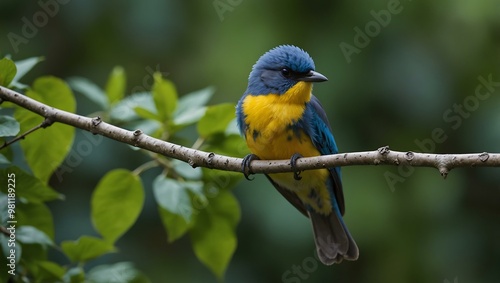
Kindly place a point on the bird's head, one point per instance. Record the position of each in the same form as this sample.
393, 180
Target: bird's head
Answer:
281, 68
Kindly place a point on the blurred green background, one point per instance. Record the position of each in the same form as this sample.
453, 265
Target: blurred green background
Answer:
407, 76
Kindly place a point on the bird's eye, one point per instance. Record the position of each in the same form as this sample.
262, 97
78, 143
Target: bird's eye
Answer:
285, 72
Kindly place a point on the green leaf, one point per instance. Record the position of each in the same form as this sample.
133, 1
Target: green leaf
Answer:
195, 99
172, 196
220, 180
164, 96
32, 253
185, 170
8, 126
230, 145
7, 152
124, 109
3, 208
216, 119
232, 128
191, 106
116, 203
123, 272
115, 87
195, 187
23, 67
74, 275
145, 113
37, 215
49, 271
90, 90
213, 234
29, 187
31, 235
3, 159
187, 118
7, 71
86, 248
175, 225
149, 127
45, 149
226, 206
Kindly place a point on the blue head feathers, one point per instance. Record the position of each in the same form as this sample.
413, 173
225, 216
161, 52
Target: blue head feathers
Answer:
279, 69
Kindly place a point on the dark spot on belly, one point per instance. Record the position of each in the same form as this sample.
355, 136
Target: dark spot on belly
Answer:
255, 134
289, 138
295, 131
313, 195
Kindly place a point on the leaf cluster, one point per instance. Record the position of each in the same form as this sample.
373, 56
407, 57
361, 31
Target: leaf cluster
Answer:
190, 201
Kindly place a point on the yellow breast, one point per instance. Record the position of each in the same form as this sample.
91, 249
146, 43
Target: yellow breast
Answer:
268, 118
269, 136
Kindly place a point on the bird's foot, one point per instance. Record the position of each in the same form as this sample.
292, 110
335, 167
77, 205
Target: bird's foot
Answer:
245, 165
293, 163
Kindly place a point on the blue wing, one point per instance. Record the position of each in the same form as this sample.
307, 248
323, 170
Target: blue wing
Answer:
319, 128
316, 125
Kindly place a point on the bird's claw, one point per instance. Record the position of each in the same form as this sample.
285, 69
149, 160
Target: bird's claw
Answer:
245, 165
293, 163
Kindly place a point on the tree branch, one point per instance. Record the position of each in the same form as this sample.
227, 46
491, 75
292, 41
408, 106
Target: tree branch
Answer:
197, 158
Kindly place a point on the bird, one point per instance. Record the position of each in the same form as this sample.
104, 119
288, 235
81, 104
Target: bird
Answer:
280, 118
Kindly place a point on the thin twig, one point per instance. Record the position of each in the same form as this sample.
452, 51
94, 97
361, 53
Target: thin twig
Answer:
4, 231
148, 165
46, 122
198, 143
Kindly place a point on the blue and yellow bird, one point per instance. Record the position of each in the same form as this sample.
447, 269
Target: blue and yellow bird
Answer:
280, 118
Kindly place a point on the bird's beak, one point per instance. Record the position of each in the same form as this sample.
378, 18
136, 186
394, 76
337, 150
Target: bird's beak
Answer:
312, 76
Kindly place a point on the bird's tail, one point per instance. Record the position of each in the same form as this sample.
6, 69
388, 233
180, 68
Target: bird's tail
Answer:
333, 241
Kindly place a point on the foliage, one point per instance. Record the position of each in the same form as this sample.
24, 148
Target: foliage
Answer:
191, 201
